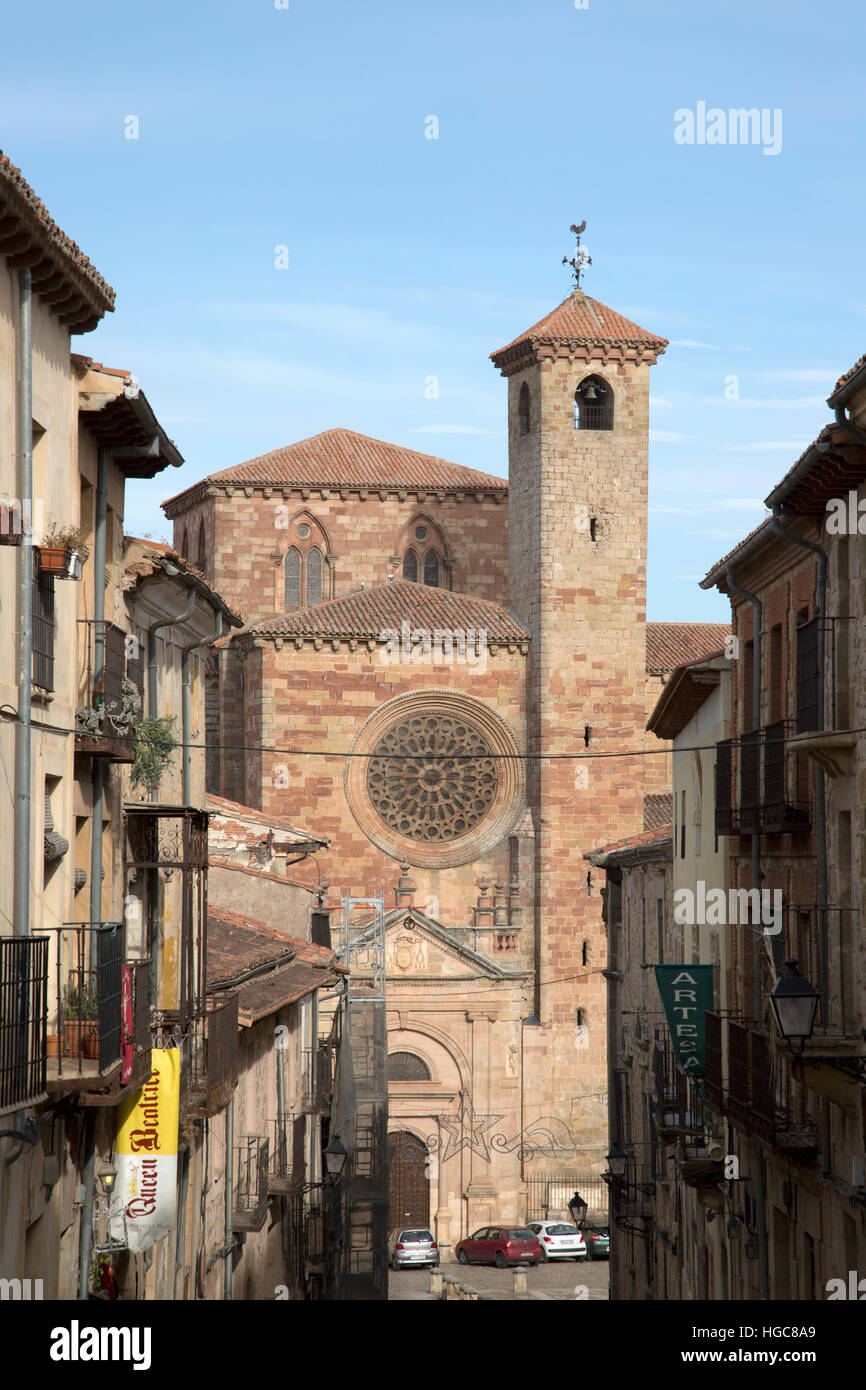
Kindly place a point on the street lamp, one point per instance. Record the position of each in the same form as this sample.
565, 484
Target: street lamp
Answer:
335, 1157
617, 1160
578, 1209
108, 1177
794, 1001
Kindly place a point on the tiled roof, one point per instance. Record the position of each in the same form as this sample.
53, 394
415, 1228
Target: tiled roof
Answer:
581, 319
236, 944
851, 372
669, 645
342, 458
153, 557
263, 996
249, 825
658, 810
656, 838
81, 297
369, 612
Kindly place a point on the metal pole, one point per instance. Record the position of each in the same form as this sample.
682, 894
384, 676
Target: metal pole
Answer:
757, 624
229, 1195
21, 839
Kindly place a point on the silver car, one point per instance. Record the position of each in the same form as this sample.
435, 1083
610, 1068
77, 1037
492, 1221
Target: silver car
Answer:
412, 1245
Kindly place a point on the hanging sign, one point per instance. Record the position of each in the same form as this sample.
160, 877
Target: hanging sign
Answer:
687, 993
144, 1201
126, 1025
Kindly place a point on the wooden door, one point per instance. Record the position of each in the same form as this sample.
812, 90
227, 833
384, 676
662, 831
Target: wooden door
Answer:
410, 1187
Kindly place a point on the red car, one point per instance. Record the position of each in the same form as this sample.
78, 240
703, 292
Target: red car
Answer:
500, 1246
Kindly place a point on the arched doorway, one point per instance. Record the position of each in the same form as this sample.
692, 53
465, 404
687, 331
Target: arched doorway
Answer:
410, 1186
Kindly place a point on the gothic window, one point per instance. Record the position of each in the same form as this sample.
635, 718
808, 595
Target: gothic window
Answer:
431, 569
293, 578
405, 1066
201, 558
314, 577
593, 405
523, 415
410, 566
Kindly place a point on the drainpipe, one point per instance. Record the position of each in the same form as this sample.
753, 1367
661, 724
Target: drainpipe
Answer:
820, 806
850, 428
186, 699
21, 842
757, 625
281, 1141
230, 1196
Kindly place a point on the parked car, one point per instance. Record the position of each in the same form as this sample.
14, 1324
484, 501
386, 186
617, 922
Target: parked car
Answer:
412, 1245
597, 1241
500, 1246
559, 1240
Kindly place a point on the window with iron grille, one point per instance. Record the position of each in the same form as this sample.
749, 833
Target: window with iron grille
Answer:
43, 627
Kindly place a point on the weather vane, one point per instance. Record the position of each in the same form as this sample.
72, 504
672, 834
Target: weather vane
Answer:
581, 256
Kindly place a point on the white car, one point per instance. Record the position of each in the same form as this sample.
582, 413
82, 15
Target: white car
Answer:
558, 1239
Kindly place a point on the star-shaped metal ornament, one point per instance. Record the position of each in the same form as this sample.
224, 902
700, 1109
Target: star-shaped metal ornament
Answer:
466, 1130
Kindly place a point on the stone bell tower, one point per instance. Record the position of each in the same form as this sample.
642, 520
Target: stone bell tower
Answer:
578, 420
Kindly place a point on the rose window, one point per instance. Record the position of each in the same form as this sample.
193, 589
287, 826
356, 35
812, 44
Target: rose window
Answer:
432, 777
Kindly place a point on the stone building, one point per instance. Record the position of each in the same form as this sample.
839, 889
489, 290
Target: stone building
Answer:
432, 660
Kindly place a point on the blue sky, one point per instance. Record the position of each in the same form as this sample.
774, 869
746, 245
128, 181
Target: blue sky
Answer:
410, 257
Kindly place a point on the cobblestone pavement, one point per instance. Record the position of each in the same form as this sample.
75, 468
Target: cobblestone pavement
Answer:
558, 1280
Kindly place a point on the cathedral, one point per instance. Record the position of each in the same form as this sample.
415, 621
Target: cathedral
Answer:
465, 669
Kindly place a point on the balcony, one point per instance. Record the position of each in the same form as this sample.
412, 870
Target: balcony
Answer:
251, 1183
772, 784
213, 1070
281, 1172
23, 1019
98, 1016
674, 1098
761, 1098
106, 708
318, 1077
631, 1196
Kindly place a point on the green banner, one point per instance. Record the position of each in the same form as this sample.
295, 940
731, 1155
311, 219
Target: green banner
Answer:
687, 992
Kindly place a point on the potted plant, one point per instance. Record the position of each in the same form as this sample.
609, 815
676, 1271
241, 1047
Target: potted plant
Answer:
63, 551
154, 745
80, 1027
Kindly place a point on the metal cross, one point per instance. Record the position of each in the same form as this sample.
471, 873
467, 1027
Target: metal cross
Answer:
581, 256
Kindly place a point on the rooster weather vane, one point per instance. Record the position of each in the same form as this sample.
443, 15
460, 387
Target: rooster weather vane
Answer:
581, 256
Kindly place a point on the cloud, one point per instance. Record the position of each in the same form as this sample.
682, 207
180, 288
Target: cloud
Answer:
801, 374
690, 578
693, 343
770, 403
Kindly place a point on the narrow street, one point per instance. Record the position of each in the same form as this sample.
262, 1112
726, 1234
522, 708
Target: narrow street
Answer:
558, 1281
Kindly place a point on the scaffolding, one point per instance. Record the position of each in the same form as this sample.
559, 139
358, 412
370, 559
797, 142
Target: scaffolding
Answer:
361, 1102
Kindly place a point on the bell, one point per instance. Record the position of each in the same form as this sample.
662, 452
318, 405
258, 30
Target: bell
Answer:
590, 393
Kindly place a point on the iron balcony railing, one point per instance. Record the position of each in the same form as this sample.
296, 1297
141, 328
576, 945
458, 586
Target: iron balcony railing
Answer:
676, 1105
761, 1098
107, 705
213, 1068
85, 1014
251, 1183
280, 1176
318, 1081
23, 1019
820, 939
772, 784
632, 1196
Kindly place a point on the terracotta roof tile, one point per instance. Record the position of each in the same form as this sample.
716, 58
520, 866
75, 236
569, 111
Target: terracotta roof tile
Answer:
91, 295
370, 612
669, 645
581, 319
153, 557
249, 824
656, 838
263, 996
237, 943
343, 458
658, 810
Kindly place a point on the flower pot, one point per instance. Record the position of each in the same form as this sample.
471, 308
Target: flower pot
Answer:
52, 1045
52, 559
10, 537
77, 1036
